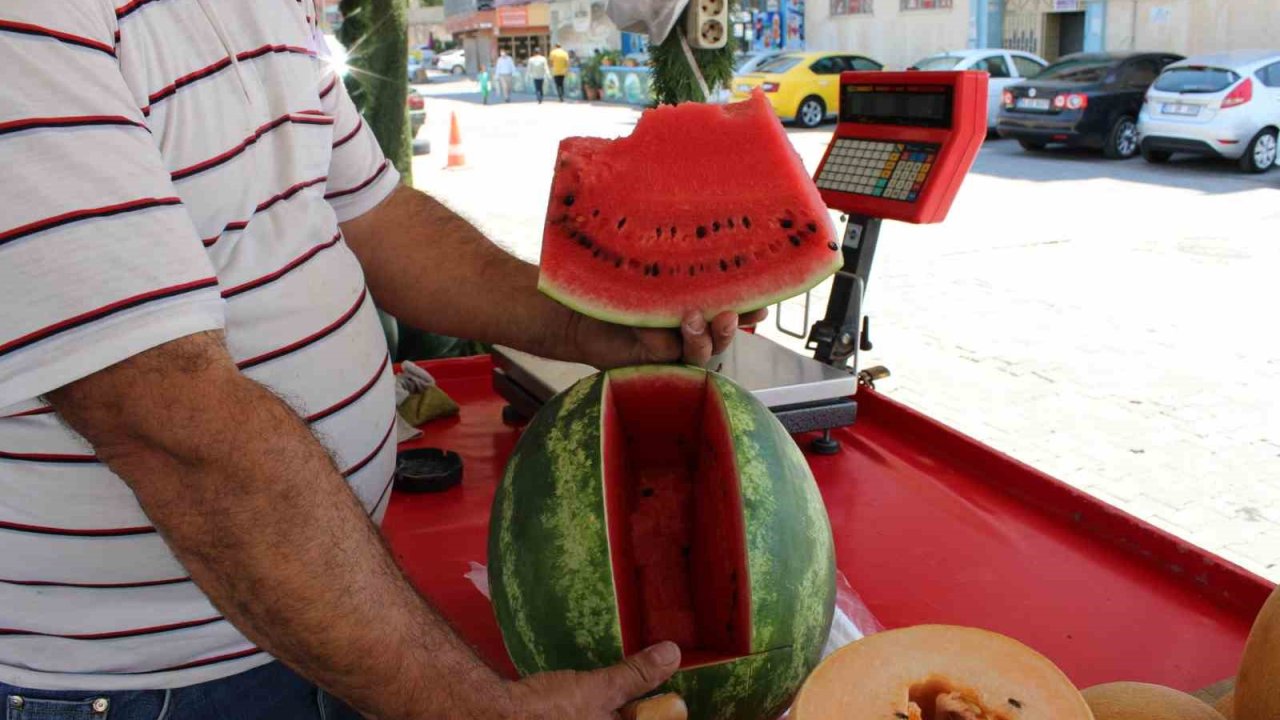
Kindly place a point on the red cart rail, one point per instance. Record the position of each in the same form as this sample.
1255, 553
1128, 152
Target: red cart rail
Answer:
930, 527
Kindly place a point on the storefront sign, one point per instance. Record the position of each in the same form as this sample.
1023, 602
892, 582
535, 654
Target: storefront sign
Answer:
513, 17
482, 20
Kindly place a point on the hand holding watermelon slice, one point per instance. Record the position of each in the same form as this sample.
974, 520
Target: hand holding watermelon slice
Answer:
701, 209
608, 345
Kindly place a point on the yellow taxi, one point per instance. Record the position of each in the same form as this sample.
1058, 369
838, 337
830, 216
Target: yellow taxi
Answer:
802, 86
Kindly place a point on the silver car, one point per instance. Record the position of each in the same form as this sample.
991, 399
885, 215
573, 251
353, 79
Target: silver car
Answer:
1224, 105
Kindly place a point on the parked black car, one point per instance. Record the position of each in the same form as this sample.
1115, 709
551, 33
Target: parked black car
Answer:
1083, 100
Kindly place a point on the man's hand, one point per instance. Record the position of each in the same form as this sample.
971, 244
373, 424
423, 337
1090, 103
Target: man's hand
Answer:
595, 695
605, 345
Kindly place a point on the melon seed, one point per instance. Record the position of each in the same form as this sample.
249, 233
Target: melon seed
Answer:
692, 271
673, 231
1015, 703
715, 226
595, 213
701, 232
795, 240
568, 200
812, 227
746, 222
730, 223
833, 245
786, 223
618, 262
737, 261
658, 231
622, 222
723, 265
647, 492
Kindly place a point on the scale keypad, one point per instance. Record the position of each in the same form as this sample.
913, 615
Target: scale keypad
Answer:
892, 170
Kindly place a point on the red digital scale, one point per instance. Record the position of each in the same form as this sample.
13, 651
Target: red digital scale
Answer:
904, 143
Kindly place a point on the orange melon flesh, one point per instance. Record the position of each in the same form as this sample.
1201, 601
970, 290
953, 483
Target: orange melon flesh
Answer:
1144, 701
938, 672
1257, 695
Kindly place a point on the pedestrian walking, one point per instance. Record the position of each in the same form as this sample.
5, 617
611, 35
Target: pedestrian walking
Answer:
559, 68
505, 70
483, 79
537, 69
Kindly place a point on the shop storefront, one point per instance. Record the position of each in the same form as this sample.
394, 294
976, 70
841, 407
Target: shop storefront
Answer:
521, 28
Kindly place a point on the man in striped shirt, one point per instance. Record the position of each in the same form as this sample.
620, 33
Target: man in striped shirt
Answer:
194, 224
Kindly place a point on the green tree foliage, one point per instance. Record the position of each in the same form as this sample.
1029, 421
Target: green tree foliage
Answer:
673, 79
374, 33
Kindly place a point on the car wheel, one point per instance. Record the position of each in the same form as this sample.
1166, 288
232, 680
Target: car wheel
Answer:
1122, 141
1156, 157
811, 113
1032, 145
1261, 153
457, 70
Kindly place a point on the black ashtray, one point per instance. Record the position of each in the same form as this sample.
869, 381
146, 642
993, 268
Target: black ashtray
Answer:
428, 470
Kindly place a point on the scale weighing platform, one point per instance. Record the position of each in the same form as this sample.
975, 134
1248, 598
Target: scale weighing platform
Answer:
904, 143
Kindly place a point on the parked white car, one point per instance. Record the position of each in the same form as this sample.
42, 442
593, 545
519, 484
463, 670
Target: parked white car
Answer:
1222, 105
1004, 67
452, 61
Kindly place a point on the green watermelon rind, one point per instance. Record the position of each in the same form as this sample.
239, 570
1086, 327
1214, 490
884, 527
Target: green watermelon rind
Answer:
594, 309
574, 585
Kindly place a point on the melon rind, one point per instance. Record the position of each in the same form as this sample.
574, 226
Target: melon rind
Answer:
557, 609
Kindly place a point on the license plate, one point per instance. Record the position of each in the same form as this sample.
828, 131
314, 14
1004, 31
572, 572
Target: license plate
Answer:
744, 88
1032, 103
1180, 109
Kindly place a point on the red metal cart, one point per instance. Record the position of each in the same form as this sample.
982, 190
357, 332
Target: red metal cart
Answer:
930, 527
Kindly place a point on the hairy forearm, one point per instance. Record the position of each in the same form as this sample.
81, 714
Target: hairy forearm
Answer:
433, 269
254, 508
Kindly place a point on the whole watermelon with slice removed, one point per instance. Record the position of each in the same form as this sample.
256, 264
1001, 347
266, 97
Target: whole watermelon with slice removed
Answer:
664, 503
703, 207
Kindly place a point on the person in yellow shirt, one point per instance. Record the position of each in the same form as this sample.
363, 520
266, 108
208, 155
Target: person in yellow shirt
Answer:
559, 60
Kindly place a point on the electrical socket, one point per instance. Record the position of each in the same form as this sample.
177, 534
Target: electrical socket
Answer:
707, 24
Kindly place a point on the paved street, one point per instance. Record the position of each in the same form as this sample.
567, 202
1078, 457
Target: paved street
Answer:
1103, 321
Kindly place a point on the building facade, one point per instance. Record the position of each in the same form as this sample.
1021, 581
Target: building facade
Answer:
899, 32
484, 27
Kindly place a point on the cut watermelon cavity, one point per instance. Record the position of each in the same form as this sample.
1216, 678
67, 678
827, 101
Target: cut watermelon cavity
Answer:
677, 541
702, 207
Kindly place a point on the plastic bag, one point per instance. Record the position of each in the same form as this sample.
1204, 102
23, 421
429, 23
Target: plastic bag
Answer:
654, 17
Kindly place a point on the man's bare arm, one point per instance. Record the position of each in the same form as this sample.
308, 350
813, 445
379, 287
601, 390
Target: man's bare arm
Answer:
431, 268
254, 508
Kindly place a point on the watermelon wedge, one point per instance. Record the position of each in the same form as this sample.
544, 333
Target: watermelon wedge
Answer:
701, 207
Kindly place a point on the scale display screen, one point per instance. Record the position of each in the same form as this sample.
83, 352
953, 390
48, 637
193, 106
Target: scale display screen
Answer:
894, 170
913, 105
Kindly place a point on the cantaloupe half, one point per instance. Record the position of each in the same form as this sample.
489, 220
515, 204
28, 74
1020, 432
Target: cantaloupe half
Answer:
1257, 695
938, 672
1144, 701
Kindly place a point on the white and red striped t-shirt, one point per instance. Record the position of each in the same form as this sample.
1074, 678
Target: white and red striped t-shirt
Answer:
166, 167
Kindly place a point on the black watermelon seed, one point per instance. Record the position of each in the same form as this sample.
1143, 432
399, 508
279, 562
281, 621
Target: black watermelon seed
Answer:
813, 227
746, 222
701, 232
702, 267
692, 271
595, 253
723, 265
730, 223
833, 245
658, 231
795, 240
673, 231
715, 226
737, 261
618, 262
786, 223
1015, 703
595, 213
647, 492
622, 222
568, 200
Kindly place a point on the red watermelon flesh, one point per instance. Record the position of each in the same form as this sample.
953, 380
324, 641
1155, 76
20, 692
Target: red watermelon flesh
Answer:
701, 207
677, 542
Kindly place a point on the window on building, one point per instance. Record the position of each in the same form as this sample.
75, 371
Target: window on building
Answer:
924, 4
851, 7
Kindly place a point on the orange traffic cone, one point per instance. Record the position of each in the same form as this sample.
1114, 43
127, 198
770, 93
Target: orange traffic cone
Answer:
456, 158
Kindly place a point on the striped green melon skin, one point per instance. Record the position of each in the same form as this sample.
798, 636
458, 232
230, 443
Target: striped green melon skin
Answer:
551, 577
